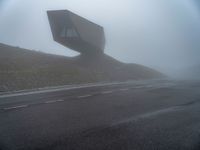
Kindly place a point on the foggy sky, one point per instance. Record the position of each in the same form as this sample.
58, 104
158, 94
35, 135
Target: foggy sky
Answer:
163, 34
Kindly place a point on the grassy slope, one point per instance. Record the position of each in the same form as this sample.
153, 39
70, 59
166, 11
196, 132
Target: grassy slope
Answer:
25, 69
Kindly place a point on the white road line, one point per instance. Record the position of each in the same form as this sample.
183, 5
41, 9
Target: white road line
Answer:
124, 89
58, 88
15, 107
53, 101
151, 114
84, 96
106, 92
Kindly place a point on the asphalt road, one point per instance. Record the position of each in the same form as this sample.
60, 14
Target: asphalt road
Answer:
146, 115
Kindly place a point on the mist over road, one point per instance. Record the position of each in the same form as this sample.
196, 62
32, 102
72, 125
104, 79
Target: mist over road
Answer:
149, 115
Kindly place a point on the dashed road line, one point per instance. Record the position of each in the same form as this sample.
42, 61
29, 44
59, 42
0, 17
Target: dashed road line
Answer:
138, 87
53, 101
15, 107
84, 96
106, 92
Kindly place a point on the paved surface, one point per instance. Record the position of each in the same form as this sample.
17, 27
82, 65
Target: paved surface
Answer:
148, 115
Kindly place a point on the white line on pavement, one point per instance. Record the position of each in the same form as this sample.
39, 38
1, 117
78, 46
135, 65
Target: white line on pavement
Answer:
53, 101
15, 107
62, 88
151, 114
84, 96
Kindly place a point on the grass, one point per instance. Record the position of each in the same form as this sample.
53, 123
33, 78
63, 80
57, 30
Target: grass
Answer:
25, 69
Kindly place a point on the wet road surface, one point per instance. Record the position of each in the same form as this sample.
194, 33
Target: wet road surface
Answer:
146, 115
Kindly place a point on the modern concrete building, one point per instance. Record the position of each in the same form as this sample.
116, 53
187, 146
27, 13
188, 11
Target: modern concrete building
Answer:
76, 32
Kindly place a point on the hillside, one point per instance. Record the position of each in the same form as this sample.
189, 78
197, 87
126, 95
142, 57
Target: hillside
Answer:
26, 69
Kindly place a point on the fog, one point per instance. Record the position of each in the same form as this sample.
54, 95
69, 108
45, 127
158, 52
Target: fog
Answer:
162, 34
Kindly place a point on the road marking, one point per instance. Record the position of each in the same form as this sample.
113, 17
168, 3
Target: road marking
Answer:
53, 101
151, 114
124, 89
15, 107
84, 96
149, 86
107, 92
138, 87
58, 88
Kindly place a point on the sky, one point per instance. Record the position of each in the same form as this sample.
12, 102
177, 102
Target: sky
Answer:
162, 34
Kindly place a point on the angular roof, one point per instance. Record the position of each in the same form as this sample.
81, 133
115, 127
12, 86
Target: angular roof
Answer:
76, 32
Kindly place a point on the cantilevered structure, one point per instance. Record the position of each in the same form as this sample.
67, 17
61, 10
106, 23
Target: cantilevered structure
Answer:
76, 32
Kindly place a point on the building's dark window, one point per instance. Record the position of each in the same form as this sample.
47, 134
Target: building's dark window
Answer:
68, 33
